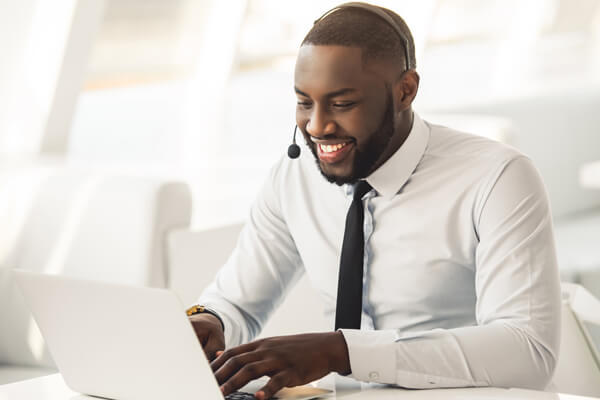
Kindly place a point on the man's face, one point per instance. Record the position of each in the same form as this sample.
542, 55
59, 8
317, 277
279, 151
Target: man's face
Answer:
344, 111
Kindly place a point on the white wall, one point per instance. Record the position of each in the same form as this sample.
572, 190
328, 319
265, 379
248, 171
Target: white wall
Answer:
45, 48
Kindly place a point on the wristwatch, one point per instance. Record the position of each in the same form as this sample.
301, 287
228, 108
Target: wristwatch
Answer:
198, 309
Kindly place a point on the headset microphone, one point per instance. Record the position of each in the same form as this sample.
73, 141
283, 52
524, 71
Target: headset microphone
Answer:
294, 149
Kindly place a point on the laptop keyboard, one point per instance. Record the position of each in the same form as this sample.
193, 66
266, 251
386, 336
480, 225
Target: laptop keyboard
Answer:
239, 396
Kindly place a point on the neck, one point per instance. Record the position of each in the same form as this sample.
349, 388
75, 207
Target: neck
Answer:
402, 125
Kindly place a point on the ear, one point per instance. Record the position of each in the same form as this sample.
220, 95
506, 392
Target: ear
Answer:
405, 89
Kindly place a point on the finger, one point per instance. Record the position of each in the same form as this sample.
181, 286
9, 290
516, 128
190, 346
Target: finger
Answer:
275, 384
246, 374
234, 364
232, 352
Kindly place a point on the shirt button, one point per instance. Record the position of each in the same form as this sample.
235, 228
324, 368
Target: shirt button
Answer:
373, 375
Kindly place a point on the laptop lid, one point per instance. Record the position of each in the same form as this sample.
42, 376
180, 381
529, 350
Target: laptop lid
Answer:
119, 341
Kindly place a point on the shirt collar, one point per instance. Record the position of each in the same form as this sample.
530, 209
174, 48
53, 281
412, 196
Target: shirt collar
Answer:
389, 178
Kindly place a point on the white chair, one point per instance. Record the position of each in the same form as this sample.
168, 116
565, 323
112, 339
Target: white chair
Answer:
82, 223
578, 368
196, 256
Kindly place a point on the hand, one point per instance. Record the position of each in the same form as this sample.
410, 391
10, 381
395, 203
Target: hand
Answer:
210, 333
289, 361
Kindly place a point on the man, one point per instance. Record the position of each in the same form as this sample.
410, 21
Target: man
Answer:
458, 282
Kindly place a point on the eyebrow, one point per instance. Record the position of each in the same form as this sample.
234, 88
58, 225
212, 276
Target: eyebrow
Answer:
330, 94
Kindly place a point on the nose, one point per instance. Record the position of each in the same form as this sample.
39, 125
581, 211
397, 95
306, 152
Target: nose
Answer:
319, 124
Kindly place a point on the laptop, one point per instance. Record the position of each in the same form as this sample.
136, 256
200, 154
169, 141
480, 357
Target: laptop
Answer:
121, 342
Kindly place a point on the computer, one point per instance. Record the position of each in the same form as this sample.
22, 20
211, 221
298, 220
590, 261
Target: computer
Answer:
118, 341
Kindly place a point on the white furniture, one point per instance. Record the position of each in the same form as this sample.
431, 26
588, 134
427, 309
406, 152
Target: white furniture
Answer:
52, 387
196, 256
589, 175
578, 368
83, 223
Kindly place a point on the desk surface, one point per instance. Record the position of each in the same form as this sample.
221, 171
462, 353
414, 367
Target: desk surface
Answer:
52, 387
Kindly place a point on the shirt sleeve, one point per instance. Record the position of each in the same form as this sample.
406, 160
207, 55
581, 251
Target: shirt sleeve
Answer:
516, 340
264, 265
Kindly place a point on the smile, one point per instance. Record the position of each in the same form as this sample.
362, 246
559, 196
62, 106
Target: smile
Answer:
333, 153
330, 148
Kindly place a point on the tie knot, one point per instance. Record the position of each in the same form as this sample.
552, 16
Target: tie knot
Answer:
360, 189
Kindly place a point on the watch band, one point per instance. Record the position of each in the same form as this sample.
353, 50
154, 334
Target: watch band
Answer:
198, 309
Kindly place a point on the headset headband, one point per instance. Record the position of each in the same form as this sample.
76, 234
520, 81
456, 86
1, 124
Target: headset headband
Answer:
380, 13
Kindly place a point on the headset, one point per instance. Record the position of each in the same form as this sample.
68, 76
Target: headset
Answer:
294, 149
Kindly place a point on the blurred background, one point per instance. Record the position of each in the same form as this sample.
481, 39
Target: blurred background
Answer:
201, 92
203, 89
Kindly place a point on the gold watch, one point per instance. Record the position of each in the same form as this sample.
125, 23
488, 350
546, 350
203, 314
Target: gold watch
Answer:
198, 309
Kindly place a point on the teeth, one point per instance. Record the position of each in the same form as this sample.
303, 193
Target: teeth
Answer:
331, 147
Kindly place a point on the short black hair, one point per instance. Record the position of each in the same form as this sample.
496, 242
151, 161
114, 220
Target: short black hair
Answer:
356, 27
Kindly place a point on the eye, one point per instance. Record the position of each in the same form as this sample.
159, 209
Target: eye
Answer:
344, 104
304, 103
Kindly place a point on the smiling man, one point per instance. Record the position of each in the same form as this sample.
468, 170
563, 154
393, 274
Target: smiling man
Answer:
362, 136
432, 249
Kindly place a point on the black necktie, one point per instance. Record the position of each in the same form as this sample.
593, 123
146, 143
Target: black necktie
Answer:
349, 297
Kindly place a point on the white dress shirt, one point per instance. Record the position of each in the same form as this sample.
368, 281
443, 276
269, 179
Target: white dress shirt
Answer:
461, 283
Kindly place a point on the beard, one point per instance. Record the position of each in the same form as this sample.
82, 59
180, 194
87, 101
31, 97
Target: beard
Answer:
368, 154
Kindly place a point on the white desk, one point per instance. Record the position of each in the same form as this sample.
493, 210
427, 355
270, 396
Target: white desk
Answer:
52, 387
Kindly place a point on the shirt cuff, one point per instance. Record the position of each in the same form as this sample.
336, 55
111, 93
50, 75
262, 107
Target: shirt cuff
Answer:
233, 332
372, 355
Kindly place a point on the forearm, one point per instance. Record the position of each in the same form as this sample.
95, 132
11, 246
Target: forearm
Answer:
498, 354
264, 265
